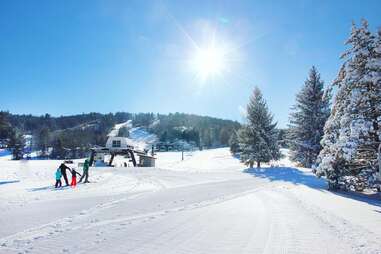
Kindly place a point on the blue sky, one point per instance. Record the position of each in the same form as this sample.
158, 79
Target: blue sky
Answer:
69, 57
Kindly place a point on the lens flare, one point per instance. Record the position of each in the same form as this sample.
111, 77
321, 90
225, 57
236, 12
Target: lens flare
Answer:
209, 62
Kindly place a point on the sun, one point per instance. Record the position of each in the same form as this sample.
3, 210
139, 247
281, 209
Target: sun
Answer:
209, 62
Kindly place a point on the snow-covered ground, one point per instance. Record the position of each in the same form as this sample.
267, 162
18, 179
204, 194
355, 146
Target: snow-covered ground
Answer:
208, 203
5, 154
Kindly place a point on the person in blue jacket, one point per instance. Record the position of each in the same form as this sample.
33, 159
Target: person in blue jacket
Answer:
58, 178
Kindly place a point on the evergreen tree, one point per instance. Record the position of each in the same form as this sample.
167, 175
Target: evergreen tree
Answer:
307, 120
4, 126
58, 148
43, 138
233, 143
17, 145
207, 137
225, 135
352, 132
258, 138
282, 138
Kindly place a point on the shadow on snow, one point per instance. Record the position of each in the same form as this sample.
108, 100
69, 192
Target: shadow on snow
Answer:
288, 174
42, 188
298, 177
372, 199
9, 181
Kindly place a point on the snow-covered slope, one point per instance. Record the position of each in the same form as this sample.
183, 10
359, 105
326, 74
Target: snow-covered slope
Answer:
139, 138
208, 203
115, 131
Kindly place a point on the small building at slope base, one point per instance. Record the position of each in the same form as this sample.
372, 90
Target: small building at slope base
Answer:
118, 146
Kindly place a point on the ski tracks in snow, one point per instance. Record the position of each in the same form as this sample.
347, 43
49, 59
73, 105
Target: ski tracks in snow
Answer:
266, 219
359, 238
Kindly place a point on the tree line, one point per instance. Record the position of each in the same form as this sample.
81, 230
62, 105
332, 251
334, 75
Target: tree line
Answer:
56, 137
203, 131
341, 142
73, 136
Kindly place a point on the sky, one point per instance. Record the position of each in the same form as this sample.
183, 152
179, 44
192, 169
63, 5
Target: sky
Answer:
72, 57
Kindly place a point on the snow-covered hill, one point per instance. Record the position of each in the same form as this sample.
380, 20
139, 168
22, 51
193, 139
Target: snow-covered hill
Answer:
139, 137
208, 203
115, 131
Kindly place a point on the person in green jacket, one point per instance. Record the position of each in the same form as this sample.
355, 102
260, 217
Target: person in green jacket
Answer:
85, 173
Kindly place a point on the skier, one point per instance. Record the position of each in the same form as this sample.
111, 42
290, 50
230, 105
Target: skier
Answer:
74, 174
85, 173
58, 178
63, 168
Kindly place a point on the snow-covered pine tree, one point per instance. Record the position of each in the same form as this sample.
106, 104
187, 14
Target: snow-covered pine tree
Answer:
258, 138
233, 143
352, 132
307, 120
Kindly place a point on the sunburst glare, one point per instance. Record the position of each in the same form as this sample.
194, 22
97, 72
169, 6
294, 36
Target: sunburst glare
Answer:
209, 62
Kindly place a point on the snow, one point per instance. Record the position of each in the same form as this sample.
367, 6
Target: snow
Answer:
5, 154
208, 203
139, 138
115, 131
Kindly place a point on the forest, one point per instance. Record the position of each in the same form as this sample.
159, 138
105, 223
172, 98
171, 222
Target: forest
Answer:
72, 136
